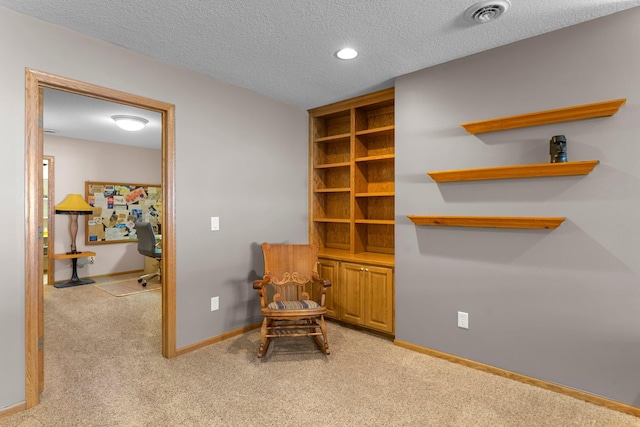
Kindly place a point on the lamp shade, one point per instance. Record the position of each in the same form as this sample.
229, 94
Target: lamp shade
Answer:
74, 204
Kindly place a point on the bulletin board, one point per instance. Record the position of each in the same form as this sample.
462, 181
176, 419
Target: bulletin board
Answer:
117, 207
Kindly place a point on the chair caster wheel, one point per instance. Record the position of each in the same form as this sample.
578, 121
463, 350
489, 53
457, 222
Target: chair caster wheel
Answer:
139, 280
144, 284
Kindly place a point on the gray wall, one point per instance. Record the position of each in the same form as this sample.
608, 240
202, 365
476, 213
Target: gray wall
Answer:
560, 305
239, 155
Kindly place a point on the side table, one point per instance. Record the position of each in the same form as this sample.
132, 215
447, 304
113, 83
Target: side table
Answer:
74, 281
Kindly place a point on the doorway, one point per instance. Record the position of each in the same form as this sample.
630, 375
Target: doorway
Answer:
36, 81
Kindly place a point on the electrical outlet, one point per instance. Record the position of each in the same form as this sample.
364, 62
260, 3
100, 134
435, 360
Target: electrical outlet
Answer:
463, 320
215, 303
91, 260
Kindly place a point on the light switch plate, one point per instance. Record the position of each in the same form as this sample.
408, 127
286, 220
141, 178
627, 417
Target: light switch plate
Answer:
215, 223
463, 320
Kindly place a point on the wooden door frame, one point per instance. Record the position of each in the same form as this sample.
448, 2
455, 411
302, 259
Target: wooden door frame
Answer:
34, 304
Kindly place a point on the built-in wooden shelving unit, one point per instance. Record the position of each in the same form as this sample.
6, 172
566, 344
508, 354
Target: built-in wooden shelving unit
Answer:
579, 112
352, 174
351, 207
488, 221
519, 171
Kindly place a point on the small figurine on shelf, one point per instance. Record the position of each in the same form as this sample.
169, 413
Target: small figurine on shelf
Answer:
558, 149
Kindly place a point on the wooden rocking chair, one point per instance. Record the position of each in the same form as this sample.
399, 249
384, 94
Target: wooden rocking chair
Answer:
292, 295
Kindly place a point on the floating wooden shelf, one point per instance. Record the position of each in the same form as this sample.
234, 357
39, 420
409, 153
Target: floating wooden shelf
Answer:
77, 255
519, 171
580, 112
488, 221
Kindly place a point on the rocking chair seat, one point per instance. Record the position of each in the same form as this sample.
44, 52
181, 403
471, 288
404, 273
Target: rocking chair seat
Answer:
293, 305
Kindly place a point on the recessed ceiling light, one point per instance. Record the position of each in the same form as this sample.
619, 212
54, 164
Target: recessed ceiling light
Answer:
486, 11
130, 123
346, 53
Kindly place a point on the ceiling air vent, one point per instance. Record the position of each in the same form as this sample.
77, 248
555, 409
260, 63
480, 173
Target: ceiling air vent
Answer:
486, 11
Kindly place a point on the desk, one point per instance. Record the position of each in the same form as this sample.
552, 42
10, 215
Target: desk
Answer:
74, 281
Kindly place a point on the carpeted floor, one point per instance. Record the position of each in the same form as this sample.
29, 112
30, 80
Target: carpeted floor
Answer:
126, 287
104, 368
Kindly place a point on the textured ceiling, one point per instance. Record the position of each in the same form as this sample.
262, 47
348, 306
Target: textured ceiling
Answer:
285, 49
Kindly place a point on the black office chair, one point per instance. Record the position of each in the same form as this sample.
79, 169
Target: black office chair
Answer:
148, 246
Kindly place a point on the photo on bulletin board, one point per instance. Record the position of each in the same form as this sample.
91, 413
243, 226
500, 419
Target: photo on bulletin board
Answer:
117, 207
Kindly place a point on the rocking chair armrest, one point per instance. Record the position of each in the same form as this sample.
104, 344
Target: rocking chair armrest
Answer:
321, 295
321, 285
324, 282
259, 284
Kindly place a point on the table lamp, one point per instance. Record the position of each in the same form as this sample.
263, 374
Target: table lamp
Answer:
74, 205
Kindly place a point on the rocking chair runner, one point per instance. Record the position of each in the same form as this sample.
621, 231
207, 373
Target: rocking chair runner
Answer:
292, 295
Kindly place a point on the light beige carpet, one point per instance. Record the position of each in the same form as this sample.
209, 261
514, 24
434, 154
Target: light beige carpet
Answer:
128, 287
104, 368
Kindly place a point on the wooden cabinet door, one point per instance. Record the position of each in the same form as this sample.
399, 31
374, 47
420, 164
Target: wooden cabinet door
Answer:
328, 269
352, 293
378, 290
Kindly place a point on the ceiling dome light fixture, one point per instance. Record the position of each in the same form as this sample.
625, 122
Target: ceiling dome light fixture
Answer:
130, 123
347, 53
486, 11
